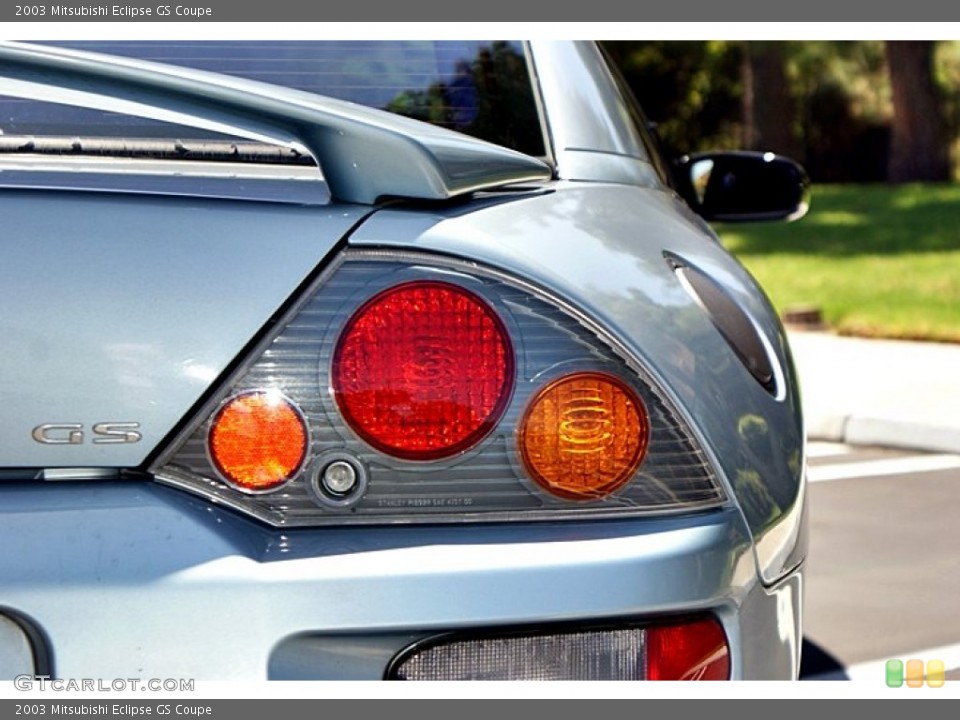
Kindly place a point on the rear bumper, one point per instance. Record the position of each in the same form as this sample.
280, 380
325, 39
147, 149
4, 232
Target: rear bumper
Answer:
141, 581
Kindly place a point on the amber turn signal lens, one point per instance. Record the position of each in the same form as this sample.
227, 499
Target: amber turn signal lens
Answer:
258, 441
584, 436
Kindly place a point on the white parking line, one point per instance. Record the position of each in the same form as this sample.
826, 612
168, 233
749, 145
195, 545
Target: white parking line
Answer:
879, 468
875, 670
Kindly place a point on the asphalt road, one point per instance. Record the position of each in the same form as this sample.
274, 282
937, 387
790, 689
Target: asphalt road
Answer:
883, 573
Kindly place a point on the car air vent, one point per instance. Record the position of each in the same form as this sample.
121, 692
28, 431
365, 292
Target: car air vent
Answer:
731, 321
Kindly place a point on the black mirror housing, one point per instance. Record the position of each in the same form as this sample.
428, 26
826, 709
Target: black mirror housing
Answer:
744, 186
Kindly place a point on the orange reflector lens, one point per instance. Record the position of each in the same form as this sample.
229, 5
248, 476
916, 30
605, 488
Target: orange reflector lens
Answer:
584, 436
258, 441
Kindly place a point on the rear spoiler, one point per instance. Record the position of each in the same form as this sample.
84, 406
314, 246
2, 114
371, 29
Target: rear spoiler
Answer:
364, 154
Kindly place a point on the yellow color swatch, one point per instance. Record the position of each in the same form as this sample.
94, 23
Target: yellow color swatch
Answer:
935, 673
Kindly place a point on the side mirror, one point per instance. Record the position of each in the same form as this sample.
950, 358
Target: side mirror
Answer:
744, 186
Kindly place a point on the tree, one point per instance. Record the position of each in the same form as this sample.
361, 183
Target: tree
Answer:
690, 89
769, 109
919, 148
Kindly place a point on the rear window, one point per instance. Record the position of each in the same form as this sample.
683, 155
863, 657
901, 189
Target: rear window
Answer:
478, 88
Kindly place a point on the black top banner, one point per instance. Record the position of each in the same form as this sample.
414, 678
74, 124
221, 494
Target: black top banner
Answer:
743, 12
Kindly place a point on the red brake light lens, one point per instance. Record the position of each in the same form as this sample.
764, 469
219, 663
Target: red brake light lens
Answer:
695, 650
423, 370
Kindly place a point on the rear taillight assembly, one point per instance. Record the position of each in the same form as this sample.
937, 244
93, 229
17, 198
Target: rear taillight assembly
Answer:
689, 649
406, 388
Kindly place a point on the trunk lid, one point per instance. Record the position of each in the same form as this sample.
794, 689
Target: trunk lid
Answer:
120, 311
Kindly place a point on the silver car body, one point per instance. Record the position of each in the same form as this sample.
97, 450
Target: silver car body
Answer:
120, 310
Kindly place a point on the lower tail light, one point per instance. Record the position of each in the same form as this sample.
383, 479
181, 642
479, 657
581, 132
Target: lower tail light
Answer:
695, 650
687, 650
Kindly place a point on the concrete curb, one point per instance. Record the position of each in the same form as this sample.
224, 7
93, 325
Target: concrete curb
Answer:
879, 392
852, 430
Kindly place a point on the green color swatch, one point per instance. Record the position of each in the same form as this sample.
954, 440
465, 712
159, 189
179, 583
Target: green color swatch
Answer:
894, 673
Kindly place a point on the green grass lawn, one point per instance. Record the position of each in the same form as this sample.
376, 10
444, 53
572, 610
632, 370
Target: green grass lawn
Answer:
878, 260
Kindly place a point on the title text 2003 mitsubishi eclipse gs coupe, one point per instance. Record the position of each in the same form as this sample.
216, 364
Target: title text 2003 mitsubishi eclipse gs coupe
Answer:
429, 368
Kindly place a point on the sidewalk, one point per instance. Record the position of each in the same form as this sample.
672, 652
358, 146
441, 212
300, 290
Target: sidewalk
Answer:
879, 392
